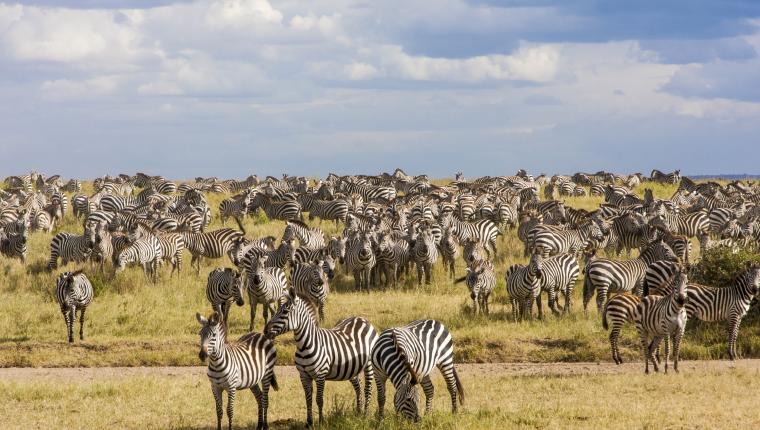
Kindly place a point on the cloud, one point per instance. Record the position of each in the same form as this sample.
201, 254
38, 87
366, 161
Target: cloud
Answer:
721, 79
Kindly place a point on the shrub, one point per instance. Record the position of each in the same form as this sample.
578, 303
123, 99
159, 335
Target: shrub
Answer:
720, 266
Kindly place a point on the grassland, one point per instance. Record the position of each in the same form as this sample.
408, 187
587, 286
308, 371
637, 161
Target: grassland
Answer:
714, 396
133, 322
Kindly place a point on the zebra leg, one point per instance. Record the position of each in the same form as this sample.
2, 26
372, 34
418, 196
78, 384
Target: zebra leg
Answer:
252, 300
320, 397
652, 347
265, 311
367, 278
230, 404
223, 309
358, 392
601, 299
452, 383
733, 333
68, 317
219, 411
677, 336
428, 389
81, 323
485, 304
419, 274
369, 376
644, 350
380, 382
540, 308
307, 389
614, 335
357, 280
258, 395
667, 351
514, 309
321, 310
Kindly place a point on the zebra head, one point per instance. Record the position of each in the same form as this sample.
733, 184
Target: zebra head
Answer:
237, 288
752, 277
328, 266
407, 397
293, 312
337, 248
213, 333
536, 266
679, 287
258, 270
125, 257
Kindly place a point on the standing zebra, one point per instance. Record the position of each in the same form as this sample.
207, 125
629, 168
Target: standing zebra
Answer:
14, 245
223, 286
146, 252
605, 276
235, 207
481, 282
308, 237
449, 248
265, 285
558, 275
243, 364
425, 255
392, 258
523, 288
310, 280
619, 310
212, 244
695, 224
662, 317
336, 210
727, 303
360, 259
552, 242
69, 247
73, 291
336, 354
483, 230
407, 355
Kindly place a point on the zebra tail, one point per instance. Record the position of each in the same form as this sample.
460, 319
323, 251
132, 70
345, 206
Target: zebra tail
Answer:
587, 287
240, 225
460, 280
604, 318
460, 388
274, 382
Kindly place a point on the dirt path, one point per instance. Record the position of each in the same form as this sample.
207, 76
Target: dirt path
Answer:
20, 375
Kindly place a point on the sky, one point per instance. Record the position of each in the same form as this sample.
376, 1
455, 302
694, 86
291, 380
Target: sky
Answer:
234, 87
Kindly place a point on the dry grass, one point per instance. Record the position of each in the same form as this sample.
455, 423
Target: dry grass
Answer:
133, 322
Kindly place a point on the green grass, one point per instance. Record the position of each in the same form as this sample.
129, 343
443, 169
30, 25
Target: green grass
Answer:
133, 322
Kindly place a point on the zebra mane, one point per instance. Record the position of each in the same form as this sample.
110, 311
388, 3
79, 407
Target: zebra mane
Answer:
404, 358
300, 224
311, 306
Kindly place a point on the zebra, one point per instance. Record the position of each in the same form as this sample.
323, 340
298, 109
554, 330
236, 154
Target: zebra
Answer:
279, 257
336, 210
310, 280
729, 303
618, 311
146, 252
473, 251
695, 224
425, 254
393, 257
662, 317
481, 282
407, 355
360, 260
69, 247
264, 285
336, 248
284, 210
449, 250
553, 242
223, 286
14, 245
484, 230
662, 178
102, 245
336, 354
605, 276
523, 287
245, 363
74, 292
236, 206
212, 244
658, 277
309, 237
46, 218
558, 274
306, 255
172, 245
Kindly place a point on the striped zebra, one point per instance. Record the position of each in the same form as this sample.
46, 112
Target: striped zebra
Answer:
310, 279
212, 244
14, 245
306, 255
146, 252
308, 237
407, 356
449, 250
481, 281
284, 210
425, 254
335, 210
360, 260
618, 311
172, 245
69, 247
695, 224
336, 354
523, 287
604, 276
80, 205
102, 245
46, 218
483, 230
552, 242
247, 363
673, 177
336, 247
558, 275
473, 250
279, 257
73, 291
236, 206
725, 304
264, 285
662, 317
393, 257
223, 286
659, 276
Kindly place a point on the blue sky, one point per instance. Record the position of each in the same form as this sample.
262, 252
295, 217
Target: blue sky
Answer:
233, 87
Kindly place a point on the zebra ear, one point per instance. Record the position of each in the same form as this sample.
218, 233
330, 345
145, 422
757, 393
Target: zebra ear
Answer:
201, 319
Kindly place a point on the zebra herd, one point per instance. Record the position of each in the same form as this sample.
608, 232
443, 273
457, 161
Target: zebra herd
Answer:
391, 223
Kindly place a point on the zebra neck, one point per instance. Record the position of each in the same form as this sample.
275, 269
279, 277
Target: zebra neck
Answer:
305, 332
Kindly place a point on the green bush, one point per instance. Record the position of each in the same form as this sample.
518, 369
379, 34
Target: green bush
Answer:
720, 266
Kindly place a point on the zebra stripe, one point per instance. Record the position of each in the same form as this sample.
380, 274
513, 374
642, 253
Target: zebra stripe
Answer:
309, 279
618, 310
264, 285
425, 254
212, 244
69, 247
558, 274
360, 260
308, 237
481, 281
73, 291
223, 286
523, 288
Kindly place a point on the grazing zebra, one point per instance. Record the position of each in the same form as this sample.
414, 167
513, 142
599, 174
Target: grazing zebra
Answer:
144, 251
212, 244
449, 249
619, 310
69, 247
308, 237
605, 276
73, 291
662, 317
265, 285
728, 303
223, 286
662, 178
407, 355
483, 230
336, 210
284, 210
481, 281
425, 255
336, 354
246, 363
695, 224
558, 274
360, 260
310, 280
236, 206
523, 287
14, 245
553, 242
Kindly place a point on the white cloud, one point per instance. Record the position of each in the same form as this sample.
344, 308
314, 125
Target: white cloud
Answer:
243, 12
65, 89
